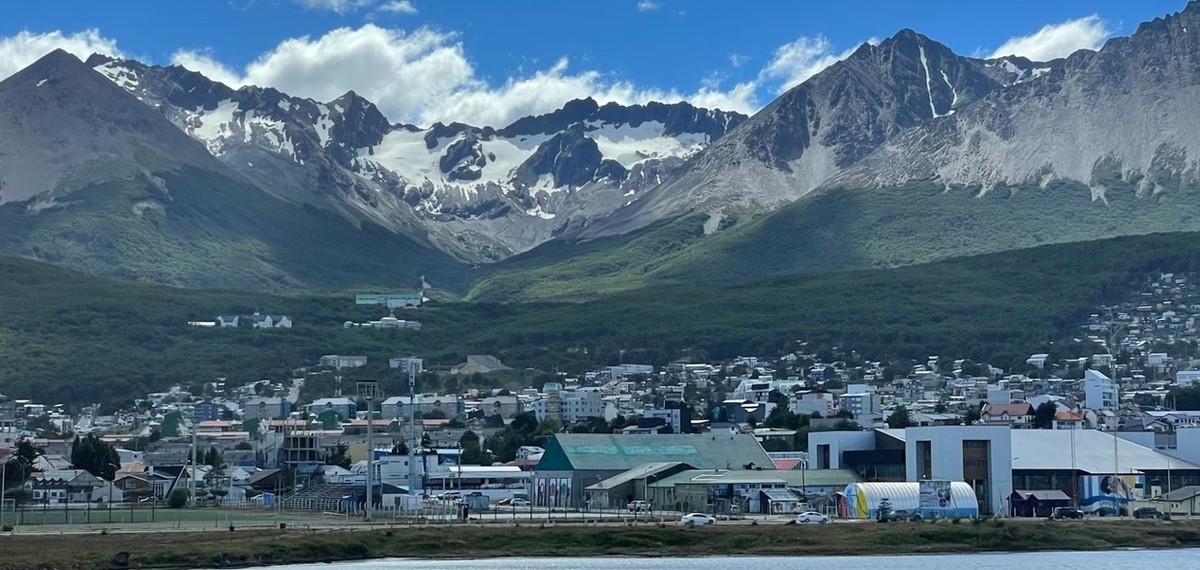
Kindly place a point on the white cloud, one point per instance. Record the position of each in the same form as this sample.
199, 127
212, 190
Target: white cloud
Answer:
737, 60
424, 76
17, 52
339, 6
205, 63
398, 7
1058, 40
648, 6
795, 62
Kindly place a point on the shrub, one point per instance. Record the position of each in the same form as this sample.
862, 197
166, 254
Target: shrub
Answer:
8, 527
178, 498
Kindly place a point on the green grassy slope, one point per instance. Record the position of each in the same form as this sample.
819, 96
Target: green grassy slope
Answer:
198, 228
843, 230
65, 336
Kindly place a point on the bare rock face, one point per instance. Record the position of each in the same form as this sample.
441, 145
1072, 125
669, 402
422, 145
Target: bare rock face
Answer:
480, 192
910, 110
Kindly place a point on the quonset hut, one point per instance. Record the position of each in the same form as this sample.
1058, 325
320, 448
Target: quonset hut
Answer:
861, 500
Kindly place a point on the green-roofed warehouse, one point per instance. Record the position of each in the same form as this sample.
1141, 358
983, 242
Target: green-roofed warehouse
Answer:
575, 460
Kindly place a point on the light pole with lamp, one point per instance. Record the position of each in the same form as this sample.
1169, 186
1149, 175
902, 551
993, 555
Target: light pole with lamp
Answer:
3, 481
369, 391
111, 482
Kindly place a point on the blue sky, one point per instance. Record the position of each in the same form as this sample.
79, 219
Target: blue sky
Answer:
488, 62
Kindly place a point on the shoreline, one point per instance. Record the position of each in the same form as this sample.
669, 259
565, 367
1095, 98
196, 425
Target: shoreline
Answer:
215, 549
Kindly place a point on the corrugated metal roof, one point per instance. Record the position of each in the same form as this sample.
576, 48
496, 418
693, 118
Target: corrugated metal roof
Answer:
621, 452
792, 478
1086, 450
639, 472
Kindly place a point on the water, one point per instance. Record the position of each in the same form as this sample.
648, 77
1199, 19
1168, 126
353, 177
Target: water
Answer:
1109, 560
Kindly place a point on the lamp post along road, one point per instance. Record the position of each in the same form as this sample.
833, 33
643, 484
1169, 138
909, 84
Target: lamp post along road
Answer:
369, 391
3, 483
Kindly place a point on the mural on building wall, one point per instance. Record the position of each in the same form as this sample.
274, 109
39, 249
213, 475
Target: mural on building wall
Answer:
934, 494
553, 492
1109, 491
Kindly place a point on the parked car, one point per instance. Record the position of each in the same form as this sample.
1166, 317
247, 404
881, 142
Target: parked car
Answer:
697, 518
903, 515
1061, 513
519, 502
811, 517
635, 506
1147, 513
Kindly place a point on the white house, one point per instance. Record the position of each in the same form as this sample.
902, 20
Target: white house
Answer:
260, 321
1099, 391
340, 362
228, 321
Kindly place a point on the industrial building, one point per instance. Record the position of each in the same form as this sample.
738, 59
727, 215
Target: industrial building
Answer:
572, 462
1005, 468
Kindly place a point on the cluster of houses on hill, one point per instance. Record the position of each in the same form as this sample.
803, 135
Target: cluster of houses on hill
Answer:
256, 320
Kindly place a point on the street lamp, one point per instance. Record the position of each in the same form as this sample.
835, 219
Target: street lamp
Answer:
369, 391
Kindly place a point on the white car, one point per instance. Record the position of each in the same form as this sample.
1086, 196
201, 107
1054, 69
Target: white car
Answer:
519, 503
811, 517
697, 519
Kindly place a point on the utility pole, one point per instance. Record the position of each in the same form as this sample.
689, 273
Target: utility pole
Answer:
369, 391
192, 473
3, 477
412, 428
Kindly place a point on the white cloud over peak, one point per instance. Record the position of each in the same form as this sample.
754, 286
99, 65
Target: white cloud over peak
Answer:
17, 52
1058, 40
648, 6
424, 76
398, 7
795, 62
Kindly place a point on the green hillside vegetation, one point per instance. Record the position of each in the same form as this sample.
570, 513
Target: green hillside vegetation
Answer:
196, 228
842, 230
68, 337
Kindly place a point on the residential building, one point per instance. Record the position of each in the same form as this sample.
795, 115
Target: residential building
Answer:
63, 486
505, 406
674, 414
272, 408
1187, 378
343, 362
206, 411
345, 407
427, 405
260, 321
807, 403
1016, 414
1099, 391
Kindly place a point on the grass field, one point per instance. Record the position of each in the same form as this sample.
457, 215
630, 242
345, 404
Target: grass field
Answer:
192, 550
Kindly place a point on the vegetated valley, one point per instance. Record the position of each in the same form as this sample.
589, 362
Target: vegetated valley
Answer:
77, 338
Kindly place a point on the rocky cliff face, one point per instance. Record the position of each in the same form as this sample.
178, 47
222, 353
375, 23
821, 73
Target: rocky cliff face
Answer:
1126, 114
481, 192
824, 126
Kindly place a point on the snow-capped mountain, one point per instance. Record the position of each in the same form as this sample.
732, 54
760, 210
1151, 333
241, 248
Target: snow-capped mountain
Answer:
910, 109
481, 192
825, 125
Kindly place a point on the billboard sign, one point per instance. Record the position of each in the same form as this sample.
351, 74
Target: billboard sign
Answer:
934, 494
1111, 491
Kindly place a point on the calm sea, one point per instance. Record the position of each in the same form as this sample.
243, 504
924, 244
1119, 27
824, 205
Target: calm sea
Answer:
1111, 560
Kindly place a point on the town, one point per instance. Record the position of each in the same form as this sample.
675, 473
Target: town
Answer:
820, 433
